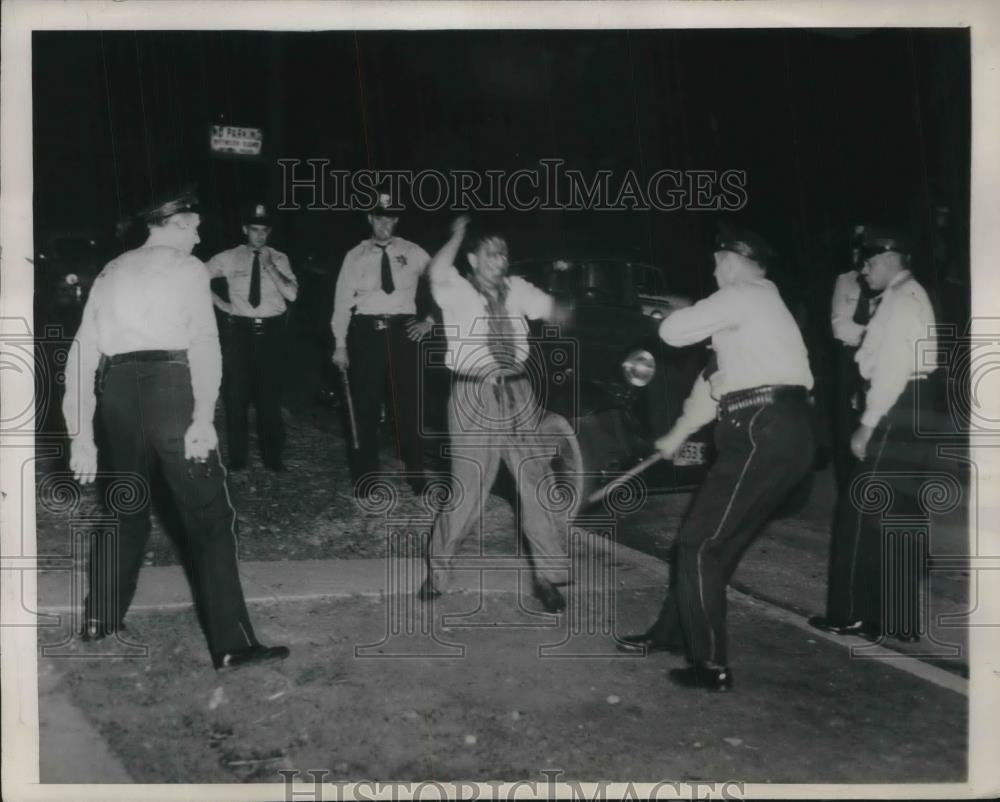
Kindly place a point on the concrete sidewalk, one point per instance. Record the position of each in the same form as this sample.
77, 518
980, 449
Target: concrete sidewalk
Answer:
166, 588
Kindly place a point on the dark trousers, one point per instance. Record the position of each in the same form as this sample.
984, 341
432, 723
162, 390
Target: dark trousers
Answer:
860, 585
145, 408
253, 360
763, 452
384, 366
845, 417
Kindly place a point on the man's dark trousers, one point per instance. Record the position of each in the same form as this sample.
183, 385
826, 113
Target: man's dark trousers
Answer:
848, 386
145, 409
254, 354
894, 467
384, 365
763, 452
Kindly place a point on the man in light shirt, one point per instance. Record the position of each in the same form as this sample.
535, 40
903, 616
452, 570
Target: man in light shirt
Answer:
764, 437
493, 413
851, 308
376, 335
896, 359
149, 338
261, 285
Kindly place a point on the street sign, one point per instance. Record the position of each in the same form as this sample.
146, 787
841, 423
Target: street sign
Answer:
235, 140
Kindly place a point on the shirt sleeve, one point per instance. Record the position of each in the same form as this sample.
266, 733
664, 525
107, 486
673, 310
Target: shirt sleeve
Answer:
531, 301
720, 310
216, 266
893, 364
80, 400
842, 311
420, 258
444, 287
699, 408
204, 354
343, 300
284, 267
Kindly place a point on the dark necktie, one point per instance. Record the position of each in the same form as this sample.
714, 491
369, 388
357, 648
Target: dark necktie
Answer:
254, 297
867, 304
388, 285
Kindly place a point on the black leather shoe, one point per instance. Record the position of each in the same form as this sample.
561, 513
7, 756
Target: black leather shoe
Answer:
427, 591
95, 630
258, 653
700, 675
836, 628
647, 644
548, 594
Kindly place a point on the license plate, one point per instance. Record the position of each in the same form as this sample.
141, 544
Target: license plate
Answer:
690, 454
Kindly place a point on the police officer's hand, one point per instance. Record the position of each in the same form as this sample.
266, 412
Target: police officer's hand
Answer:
859, 441
670, 443
418, 329
83, 460
340, 358
200, 440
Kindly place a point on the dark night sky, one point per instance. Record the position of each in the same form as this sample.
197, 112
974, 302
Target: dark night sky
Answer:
832, 128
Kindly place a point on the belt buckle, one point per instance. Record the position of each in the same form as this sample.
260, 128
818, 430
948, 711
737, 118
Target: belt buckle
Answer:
381, 324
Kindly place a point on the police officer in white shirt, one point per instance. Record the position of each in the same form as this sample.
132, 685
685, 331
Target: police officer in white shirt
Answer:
493, 413
261, 285
764, 437
149, 338
376, 335
851, 308
896, 359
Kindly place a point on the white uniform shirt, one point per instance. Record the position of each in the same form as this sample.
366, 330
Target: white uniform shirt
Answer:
236, 266
149, 299
359, 283
756, 340
846, 293
466, 319
900, 344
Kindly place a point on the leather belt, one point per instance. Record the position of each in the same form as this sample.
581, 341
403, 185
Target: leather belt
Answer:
258, 324
147, 356
760, 396
380, 322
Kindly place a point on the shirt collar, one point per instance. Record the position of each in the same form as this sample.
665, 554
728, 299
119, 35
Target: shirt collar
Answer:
376, 247
898, 279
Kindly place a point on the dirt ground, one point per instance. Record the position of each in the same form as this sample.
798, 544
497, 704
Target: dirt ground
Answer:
804, 712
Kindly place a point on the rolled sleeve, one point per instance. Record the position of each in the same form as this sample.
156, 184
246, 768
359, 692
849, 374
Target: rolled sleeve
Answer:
719, 311
699, 409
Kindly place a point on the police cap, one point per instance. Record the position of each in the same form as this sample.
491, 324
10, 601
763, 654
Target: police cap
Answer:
386, 206
746, 243
166, 207
257, 215
884, 239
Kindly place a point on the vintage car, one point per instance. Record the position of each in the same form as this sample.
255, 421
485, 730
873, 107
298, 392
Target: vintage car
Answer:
66, 263
611, 383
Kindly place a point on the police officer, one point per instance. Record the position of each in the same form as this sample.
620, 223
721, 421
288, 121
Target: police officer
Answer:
376, 333
493, 413
764, 437
261, 285
851, 308
895, 358
149, 336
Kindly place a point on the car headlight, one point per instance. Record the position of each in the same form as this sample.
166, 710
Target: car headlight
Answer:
639, 367
656, 314
72, 279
